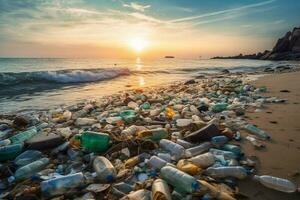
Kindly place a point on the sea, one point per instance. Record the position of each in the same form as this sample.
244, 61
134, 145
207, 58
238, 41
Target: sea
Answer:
32, 84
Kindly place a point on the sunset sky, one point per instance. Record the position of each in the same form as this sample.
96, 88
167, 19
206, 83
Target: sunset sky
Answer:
123, 29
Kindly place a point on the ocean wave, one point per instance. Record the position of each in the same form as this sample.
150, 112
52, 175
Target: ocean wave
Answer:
61, 76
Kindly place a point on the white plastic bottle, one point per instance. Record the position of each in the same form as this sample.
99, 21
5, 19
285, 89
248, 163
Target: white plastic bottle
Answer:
204, 160
183, 122
176, 150
275, 183
230, 171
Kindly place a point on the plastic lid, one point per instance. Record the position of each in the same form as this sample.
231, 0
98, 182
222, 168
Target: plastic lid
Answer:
11, 179
109, 178
195, 185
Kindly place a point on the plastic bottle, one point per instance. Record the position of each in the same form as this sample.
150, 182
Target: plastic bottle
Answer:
184, 143
219, 107
181, 181
132, 130
170, 113
204, 160
23, 136
255, 142
256, 131
135, 160
85, 121
141, 194
11, 151
93, 141
174, 149
28, 157
128, 116
232, 148
160, 190
153, 134
230, 171
165, 156
188, 167
194, 110
146, 105
215, 192
198, 149
156, 162
183, 122
219, 141
226, 154
104, 169
275, 183
121, 189
31, 169
61, 185
113, 120
5, 142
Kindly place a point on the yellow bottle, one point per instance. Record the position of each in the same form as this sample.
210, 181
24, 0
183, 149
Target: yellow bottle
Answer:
188, 167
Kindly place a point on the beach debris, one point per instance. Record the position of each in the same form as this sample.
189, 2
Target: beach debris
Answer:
179, 141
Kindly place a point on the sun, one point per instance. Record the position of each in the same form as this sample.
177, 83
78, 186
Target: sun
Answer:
138, 44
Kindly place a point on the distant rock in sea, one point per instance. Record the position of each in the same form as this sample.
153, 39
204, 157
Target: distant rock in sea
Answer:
286, 48
169, 57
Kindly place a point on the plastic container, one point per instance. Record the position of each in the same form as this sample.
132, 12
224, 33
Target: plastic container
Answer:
226, 154
104, 169
61, 185
219, 141
275, 183
230, 171
154, 134
194, 151
232, 148
184, 143
255, 142
256, 131
5, 142
204, 160
181, 181
156, 162
132, 130
128, 116
146, 105
135, 160
121, 189
183, 122
160, 190
93, 141
188, 167
23, 136
219, 107
28, 157
174, 149
31, 169
11, 151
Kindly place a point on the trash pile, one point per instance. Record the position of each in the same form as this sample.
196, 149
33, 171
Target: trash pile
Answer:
175, 142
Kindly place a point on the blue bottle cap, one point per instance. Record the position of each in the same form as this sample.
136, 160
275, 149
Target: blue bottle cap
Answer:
195, 185
109, 178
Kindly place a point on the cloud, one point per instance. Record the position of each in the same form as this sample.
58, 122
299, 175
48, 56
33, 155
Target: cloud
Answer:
137, 7
223, 11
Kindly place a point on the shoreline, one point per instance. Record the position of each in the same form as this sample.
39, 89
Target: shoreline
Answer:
265, 164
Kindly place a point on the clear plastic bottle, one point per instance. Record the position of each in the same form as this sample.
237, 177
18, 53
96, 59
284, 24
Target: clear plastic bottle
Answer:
181, 181
255, 142
184, 143
176, 150
5, 142
256, 131
226, 154
183, 122
275, 183
104, 169
31, 169
204, 160
198, 149
132, 130
61, 185
23, 136
153, 134
28, 157
156, 162
230, 171
188, 167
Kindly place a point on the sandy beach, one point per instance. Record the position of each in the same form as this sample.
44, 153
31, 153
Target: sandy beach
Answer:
282, 154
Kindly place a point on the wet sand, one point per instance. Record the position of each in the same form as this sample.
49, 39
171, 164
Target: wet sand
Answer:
281, 157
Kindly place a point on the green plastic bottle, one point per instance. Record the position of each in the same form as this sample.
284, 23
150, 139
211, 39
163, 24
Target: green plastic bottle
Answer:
219, 107
93, 141
128, 116
11, 151
23, 136
146, 105
233, 148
